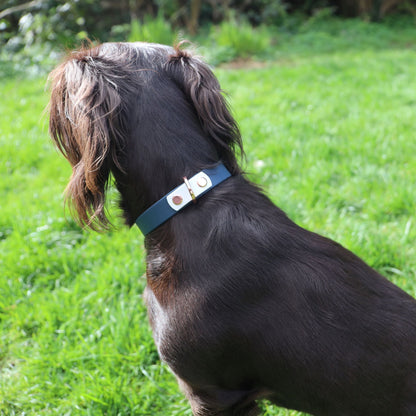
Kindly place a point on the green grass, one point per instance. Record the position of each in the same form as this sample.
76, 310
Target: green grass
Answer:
329, 134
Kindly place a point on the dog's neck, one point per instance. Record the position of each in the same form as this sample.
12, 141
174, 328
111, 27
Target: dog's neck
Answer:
153, 174
166, 142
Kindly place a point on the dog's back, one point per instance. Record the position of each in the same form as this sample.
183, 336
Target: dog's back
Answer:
289, 315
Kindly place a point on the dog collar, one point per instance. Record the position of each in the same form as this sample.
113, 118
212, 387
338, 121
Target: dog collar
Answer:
180, 197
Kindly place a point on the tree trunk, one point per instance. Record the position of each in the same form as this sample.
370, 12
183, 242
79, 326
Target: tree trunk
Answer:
194, 16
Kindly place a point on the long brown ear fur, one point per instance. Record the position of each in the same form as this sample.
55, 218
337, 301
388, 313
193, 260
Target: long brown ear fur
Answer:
83, 110
198, 82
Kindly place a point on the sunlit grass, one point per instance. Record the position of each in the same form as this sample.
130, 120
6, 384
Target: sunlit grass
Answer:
330, 137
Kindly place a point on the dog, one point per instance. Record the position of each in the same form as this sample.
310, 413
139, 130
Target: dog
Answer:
244, 304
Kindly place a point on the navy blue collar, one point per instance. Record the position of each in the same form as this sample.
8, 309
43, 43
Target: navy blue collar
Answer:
180, 197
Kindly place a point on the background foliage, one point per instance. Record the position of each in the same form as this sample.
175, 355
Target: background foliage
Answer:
24, 24
34, 34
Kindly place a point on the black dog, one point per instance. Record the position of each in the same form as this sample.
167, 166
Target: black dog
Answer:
243, 303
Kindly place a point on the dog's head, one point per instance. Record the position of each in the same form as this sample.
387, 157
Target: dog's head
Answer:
131, 108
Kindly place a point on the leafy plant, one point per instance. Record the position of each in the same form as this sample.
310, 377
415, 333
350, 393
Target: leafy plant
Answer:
270, 12
241, 39
156, 30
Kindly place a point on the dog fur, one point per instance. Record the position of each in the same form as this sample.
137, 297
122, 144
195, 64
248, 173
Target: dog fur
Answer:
243, 303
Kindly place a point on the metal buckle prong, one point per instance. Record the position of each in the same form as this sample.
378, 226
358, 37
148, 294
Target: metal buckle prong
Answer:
191, 192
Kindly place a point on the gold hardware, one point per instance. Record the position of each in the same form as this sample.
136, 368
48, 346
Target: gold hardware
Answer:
191, 192
202, 182
177, 200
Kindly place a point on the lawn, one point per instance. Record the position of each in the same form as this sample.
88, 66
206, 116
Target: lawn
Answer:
329, 132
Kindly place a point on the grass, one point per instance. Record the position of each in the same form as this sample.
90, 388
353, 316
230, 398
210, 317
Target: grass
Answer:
329, 134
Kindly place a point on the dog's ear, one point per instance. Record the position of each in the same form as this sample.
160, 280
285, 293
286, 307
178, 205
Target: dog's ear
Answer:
84, 109
202, 88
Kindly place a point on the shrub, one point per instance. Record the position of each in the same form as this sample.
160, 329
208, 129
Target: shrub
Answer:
240, 39
156, 30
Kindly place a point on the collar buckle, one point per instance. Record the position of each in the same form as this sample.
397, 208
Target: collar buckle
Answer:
181, 196
190, 190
